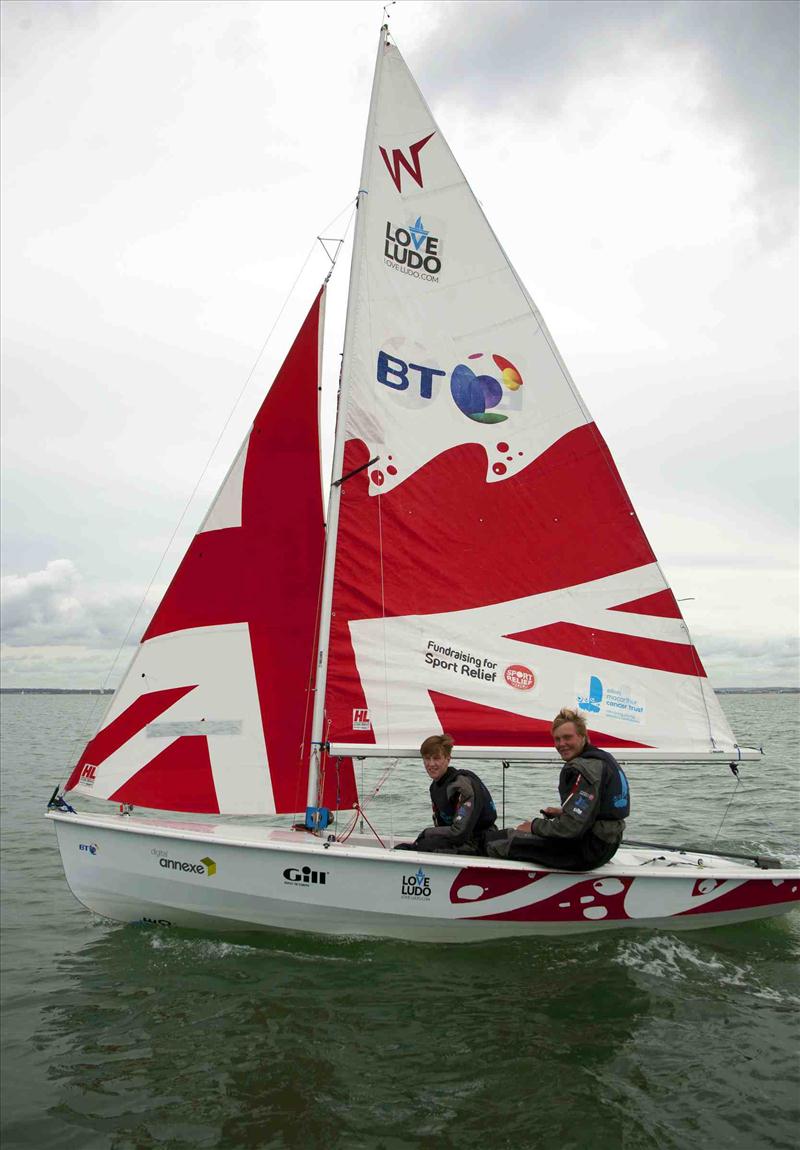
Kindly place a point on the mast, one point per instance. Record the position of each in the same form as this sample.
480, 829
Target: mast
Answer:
334, 497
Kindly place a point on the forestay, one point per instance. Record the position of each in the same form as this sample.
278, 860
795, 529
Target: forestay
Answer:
490, 567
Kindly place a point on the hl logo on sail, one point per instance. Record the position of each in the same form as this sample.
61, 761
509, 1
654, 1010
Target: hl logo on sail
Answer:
305, 876
361, 719
88, 772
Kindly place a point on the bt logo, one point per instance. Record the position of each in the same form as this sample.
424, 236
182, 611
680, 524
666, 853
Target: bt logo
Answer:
482, 397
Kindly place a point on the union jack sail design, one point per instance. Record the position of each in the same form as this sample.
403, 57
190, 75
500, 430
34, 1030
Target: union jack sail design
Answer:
214, 713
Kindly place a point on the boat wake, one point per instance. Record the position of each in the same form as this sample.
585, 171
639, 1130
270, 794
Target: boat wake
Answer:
212, 950
673, 959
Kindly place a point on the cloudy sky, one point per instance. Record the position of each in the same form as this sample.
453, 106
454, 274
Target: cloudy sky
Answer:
168, 165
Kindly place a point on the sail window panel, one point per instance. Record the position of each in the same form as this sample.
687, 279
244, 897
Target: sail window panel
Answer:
226, 510
198, 727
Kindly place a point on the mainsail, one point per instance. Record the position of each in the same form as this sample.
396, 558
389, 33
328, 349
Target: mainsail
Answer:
214, 713
490, 567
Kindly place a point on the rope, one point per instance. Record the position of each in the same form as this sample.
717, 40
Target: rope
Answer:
360, 812
387, 720
728, 807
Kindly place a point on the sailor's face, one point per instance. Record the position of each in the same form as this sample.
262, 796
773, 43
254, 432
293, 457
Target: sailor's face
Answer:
436, 765
569, 743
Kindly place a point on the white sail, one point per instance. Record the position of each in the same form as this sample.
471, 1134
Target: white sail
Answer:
490, 568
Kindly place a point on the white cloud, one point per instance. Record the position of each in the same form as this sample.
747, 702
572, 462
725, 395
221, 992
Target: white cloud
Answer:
56, 607
628, 156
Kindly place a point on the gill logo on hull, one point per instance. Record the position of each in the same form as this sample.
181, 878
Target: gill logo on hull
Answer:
305, 876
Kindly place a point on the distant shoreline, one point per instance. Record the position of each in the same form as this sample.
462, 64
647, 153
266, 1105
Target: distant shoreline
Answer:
56, 690
110, 691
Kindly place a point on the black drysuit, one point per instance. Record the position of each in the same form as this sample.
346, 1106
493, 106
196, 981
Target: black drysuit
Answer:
594, 805
463, 810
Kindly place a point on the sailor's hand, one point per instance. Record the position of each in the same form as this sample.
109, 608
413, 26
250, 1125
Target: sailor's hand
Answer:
524, 827
551, 812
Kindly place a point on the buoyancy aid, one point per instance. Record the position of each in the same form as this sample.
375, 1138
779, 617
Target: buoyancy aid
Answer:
445, 806
615, 800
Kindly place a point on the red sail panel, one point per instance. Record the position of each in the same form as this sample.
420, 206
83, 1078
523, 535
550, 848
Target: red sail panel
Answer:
680, 658
132, 720
177, 779
451, 540
446, 540
663, 604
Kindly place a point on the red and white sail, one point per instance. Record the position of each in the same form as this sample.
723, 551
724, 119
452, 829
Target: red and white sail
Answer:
490, 568
214, 713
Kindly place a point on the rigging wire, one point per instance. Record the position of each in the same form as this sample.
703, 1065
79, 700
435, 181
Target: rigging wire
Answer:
360, 811
735, 771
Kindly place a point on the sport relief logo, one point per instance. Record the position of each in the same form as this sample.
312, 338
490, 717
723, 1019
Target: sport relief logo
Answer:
415, 885
481, 397
412, 250
520, 677
397, 162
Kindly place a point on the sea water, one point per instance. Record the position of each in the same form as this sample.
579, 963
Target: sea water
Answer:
129, 1037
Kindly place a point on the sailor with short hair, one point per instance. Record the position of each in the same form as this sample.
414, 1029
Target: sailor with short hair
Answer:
463, 808
586, 829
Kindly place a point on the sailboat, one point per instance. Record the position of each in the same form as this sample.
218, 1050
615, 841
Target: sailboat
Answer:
443, 591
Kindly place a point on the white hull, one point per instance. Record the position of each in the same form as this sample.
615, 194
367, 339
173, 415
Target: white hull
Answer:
232, 878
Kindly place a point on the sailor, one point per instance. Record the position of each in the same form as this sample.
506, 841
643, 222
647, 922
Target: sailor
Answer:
463, 809
586, 829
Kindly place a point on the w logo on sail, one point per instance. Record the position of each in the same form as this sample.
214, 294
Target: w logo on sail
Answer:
399, 161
